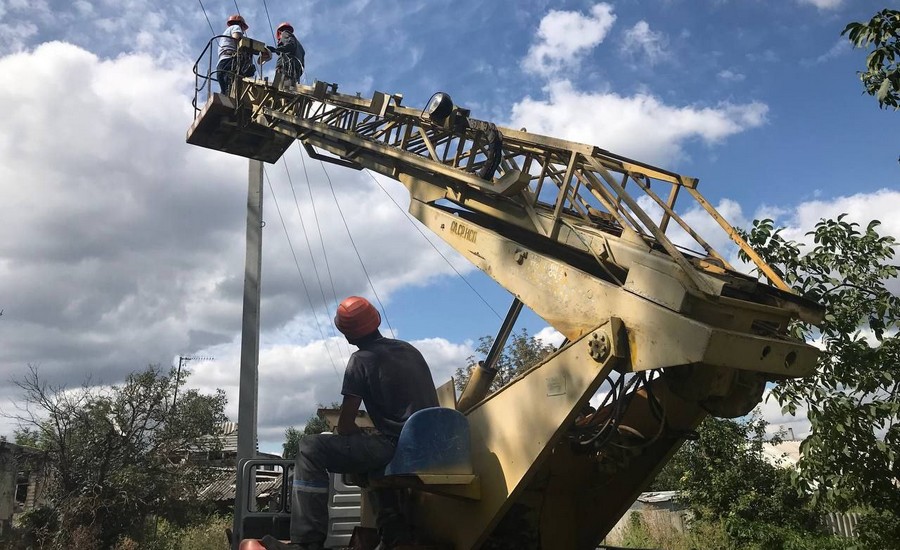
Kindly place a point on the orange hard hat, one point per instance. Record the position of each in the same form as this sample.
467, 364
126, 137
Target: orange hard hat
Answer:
238, 19
251, 544
357, 317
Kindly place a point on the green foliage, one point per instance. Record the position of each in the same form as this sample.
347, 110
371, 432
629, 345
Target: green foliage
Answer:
882, 75
636, 534
878, 530
726, 482
208, 533
118, 455
27, 437
292, 436
851, 457
651, 529
521, 352
725, 476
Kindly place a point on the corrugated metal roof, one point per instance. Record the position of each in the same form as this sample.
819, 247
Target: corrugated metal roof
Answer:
267, 483
658, 496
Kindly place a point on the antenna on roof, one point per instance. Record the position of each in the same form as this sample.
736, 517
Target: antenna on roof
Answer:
182, 359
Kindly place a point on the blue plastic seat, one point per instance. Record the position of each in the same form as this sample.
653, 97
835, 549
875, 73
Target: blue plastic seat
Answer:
434, 441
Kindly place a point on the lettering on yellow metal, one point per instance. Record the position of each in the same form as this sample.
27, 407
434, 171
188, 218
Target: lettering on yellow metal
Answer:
463, 231
556, 385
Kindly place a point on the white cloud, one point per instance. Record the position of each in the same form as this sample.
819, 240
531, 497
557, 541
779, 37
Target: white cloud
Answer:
129, 247
780, 421
861, 208
766, 56
563, 36
640, 126
294, 379
550, 336
641, 39
824, 4
731, 76
840, 47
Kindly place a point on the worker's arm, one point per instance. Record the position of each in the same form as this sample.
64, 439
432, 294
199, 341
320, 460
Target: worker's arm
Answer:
347, 421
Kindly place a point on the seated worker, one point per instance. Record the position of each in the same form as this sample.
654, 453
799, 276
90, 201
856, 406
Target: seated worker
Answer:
233, 63
291, 55
393, 380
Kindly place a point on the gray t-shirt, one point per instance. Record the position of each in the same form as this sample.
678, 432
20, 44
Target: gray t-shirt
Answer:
393, 380
228, 46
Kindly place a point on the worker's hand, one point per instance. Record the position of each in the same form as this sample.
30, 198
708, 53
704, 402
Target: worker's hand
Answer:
271, 48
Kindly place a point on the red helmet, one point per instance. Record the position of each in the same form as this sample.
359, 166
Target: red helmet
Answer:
237, 19
356, 317
283, 26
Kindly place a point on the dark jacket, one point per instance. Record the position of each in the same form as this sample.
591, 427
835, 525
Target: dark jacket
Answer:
291, 55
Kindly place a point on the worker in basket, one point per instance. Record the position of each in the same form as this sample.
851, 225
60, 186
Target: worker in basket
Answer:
393, 380
291, 55
233, 63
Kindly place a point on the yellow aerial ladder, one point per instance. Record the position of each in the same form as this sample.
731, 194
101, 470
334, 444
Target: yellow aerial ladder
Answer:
593, 243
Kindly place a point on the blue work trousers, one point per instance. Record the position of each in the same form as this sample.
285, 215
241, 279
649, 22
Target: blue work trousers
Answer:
360, 453
230, 67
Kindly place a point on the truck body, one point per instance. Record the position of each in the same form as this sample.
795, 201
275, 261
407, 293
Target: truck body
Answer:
595, 244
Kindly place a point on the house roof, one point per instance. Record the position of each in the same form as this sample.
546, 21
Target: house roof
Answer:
222, 489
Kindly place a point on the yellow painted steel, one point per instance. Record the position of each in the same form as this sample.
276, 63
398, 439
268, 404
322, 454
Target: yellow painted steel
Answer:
554, 224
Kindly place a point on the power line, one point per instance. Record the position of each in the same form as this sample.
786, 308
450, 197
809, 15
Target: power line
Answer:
300, 272
318, 226
355, 249
271, 28
436, 249
309, 245
211, 29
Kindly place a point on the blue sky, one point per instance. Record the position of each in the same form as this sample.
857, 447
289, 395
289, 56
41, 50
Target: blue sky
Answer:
123, 246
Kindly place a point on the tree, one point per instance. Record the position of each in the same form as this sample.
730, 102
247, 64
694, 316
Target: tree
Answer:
119, 454
315, 424
521, 352
882, 75
851, 456
725, 479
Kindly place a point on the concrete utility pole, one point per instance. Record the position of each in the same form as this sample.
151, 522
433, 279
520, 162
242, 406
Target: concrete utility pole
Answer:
249, 379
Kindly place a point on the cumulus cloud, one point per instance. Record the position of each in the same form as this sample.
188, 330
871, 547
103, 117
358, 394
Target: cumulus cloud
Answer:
564, 36
641, 42
797, 220
839, 48
861, 208
295, 379
126, 246
640, 126
824, 4
731, 76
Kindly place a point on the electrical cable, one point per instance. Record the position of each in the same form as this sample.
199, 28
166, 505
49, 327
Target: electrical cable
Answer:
309, 245
300, 272
269, 19
436, 249
211, 29
318, 225
355, 249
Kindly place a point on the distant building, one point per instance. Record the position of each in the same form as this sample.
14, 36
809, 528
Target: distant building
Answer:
24, 477
219, 451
